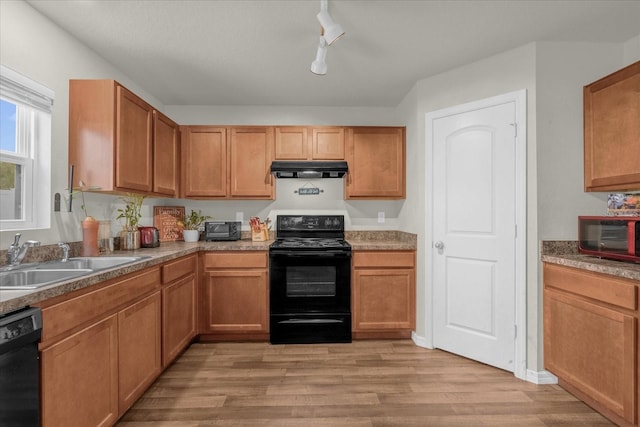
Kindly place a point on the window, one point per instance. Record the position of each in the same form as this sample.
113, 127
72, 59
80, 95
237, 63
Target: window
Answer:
25, 152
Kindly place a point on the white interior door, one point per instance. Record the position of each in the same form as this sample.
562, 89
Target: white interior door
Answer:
474, 234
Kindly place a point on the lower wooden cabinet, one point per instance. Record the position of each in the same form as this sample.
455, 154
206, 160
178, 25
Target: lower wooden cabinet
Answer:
383, 294
178, 306
235, 295
139, 353
80, 377
100, 350
591, 339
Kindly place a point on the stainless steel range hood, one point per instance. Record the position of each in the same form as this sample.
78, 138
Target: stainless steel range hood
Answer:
315, 169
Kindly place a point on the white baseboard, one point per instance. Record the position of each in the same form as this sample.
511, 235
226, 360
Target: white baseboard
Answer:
420, 341
541, 377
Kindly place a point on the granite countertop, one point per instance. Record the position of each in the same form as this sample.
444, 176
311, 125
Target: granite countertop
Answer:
566, 253
15, 299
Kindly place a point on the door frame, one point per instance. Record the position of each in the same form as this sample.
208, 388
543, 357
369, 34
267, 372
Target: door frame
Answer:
519, 97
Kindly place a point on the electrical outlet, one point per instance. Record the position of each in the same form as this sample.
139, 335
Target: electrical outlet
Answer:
240, 216
381, 217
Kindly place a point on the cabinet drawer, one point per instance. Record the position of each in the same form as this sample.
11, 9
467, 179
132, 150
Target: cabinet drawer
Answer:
601, 287
238, 259
176, 269
75, 312
384, 259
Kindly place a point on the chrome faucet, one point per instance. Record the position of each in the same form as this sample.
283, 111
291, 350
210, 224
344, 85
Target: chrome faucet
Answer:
65, 251
16, 253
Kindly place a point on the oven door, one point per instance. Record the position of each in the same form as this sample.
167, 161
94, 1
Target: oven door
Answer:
310, 282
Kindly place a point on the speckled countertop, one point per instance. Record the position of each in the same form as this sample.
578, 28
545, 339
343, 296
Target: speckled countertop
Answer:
15, 299
566, 253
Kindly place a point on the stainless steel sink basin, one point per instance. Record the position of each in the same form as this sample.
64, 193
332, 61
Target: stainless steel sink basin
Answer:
46, 273
91, 263
32, 279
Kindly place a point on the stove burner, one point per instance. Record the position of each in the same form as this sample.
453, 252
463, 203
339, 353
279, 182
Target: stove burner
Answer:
310, 243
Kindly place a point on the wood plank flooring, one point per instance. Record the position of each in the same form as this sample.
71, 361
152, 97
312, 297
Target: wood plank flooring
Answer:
365, 383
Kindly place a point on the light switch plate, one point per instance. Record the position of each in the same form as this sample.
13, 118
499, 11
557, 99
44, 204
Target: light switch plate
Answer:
381, 217
240, 216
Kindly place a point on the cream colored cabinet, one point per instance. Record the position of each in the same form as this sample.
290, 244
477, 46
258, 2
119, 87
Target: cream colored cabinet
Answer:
383, 294
309, 143
591, 339
113, 135
376, 157
225, 163
178, 306
612, 131
100, 350
235, 295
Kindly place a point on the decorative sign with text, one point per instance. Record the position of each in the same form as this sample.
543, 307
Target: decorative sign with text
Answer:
165, 219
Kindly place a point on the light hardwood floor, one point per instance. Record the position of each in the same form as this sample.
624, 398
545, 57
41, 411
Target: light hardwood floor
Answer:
365, 383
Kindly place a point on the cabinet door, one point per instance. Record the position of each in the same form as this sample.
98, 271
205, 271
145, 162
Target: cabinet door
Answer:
383, 299
139, 353
328, 143
178, 317
593, 349
204, 162
291, 143
166, 155
612, 131
237, 301
250, 162
133, 142
80, 378
376, 158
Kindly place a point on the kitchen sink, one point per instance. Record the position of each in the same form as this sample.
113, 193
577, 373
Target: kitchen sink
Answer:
91, 263
32, 279
33, 276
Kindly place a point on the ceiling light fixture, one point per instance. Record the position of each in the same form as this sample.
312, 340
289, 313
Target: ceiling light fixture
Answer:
330, 31
319, 66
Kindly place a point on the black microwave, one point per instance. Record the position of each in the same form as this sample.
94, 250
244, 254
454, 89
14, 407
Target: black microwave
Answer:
614, 237
222, 230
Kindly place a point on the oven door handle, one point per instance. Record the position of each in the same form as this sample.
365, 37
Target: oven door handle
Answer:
323, 254
312, 321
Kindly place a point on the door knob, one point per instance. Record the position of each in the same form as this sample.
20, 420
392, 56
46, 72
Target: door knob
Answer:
439, 245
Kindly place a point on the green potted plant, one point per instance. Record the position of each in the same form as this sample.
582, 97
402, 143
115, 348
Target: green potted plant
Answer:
191, 225
130, 236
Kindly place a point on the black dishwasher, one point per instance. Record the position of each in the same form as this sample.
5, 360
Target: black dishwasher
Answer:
20, 332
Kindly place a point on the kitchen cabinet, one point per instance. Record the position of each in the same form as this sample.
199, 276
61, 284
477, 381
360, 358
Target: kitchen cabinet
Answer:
250, 156
377, 165
204, 162
178, 306
612, 131
235, 295
309, 143
591, 339
227, 163
166, 156
112, 140
139, 351
383, 294
100, 350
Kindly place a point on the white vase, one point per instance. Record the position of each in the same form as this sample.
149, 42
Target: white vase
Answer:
191, 235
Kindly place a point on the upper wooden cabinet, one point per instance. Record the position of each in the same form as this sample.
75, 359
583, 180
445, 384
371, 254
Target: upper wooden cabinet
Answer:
225, 163
250, 162
204, 162
115, 137
309, 143
612, 131
376, 157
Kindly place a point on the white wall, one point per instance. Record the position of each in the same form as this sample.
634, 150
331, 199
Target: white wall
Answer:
32, 45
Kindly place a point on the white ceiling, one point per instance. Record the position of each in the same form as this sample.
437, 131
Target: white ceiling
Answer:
250, 52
